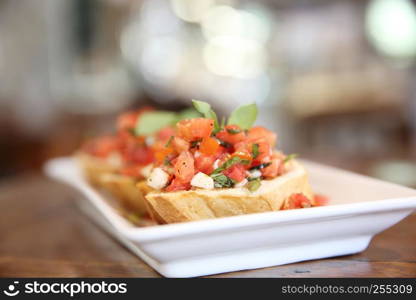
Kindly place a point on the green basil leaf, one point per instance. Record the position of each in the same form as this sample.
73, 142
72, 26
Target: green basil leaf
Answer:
153, 121
221, 181
255, 150
233, 131
253, 185
206, 110
232, 161
290, 157
195, 143
244, 116
169, 142
188, 113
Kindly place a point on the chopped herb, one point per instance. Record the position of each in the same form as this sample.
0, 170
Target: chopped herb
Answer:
132, 131
253, 185
195, 143
290, 157
221, 181
232, 161
224, 144
167, 162
169, 141
233, 131
261, 166
244, 116
255, 150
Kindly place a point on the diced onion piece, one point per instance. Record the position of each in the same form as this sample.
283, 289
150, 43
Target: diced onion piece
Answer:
158, 179
241, 183
216, 164
202, 180
255, 174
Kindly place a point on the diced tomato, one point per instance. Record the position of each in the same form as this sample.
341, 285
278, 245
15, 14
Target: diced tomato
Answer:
209, 146
261, 133
297, 200
177, 185
194, 129
320, 200
265, 151
232, 134
103, 146
180, 145
184, 167
263, 148
272, 170
127, 120
236, 172
165, 134
205, 163
138, 154
162, 153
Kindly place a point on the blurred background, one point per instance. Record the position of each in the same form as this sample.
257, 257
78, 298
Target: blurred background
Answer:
334, 78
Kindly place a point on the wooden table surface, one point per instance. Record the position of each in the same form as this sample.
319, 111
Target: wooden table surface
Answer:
44, 234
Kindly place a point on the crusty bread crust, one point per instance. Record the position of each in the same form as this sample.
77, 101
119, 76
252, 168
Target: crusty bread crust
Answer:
94, 167
198, 204
104, 175
124, 189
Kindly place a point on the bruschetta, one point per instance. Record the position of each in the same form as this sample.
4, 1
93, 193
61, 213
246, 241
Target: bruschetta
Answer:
210, 170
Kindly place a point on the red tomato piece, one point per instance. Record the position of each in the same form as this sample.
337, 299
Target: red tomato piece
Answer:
184, 167
209, 146
320, 200
205, 163
194, 129
180, 145
128, 120
272, 170
261, 133
178, 185
165, 134
236, 172
139, 155
102, 146
232, 134
162, 153
297, 200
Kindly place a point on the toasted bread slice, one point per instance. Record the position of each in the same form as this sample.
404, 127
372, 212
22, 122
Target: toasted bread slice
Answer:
198, 204
104, 175
124, 189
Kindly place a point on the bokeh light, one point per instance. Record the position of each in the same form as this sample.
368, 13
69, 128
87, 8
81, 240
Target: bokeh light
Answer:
391, 26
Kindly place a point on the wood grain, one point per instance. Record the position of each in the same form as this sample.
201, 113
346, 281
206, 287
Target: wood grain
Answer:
44, 234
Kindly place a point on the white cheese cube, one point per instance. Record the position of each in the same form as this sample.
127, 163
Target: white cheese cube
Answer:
202, 180
158, 179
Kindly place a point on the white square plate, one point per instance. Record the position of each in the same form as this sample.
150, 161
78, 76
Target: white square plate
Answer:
359, 208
